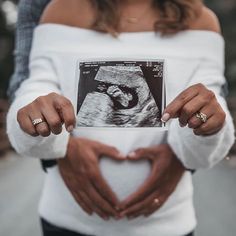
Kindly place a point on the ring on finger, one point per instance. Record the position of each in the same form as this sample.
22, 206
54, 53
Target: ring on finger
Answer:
202, 117
37, 121
156, 201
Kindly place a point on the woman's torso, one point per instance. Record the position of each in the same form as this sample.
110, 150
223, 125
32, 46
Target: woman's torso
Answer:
182, 53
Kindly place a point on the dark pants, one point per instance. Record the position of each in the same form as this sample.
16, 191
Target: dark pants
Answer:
51, 230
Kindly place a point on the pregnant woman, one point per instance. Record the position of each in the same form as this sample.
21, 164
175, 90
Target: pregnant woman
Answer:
122, 199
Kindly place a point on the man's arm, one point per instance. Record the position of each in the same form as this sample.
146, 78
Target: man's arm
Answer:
29, 13
28, 18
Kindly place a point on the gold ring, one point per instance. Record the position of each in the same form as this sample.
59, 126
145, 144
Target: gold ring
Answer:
202, 117
37, 121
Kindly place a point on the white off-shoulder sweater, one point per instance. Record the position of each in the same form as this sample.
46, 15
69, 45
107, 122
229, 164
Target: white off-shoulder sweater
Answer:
191, 57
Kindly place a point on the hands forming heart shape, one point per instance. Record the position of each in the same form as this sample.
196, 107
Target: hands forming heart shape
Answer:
81, 172
80, 168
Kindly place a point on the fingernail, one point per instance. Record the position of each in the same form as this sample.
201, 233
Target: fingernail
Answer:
165, 117
132, 154
181, 125
70, 128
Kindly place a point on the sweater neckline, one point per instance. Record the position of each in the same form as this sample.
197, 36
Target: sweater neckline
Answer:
81, 30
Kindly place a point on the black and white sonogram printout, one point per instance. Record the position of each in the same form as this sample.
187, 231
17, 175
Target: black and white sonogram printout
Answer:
120, 94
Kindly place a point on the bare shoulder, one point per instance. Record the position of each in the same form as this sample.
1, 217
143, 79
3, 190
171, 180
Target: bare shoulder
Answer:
207, 20
69, 12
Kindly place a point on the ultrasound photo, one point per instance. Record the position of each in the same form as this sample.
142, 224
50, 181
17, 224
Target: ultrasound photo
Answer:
120, 94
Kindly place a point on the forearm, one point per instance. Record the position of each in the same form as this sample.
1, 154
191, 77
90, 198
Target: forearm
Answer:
197, 152
43, 80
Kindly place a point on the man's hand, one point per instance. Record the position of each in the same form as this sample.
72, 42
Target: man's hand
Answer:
81, 173
165, 175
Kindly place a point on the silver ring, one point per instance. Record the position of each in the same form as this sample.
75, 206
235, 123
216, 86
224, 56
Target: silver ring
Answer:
202, 117
37, 121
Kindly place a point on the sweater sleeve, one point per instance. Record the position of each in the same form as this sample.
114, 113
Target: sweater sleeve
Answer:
204, 151
42, 81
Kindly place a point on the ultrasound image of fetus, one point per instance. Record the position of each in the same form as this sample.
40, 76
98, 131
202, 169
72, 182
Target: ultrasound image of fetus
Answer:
120, 96
121, 99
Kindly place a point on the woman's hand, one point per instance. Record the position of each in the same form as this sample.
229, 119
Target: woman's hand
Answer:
198, 108
81, 173
53, 109
166, 173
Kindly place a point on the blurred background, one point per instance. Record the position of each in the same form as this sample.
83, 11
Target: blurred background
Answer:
21, 179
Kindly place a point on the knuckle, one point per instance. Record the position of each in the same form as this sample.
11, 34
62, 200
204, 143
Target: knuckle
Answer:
30, 107
53, 94
45, 132
202, 100
222, 116
42, 100
20, 114
55, 122
188, 110
192, 123
22, 126
29, 130
65, 103
183, 96
39, 100
200, 86
210, 95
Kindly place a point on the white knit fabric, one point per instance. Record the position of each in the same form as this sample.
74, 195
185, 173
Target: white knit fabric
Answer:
191, 57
